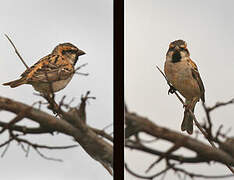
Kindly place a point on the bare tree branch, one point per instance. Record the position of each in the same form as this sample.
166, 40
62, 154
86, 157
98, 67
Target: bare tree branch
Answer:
144, 125
103, 134
179, 158
47, 158
219, 104
16, 51
25, 129
146, 177
192, 175
95, 146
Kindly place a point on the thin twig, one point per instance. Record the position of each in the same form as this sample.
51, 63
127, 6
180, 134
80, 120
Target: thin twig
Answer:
168, 152
106, 127
146, 177
218, 104
16, 51
80, 66
190, 174
47, 158
84, 74
43, 146
27, 151
5, 150
181, 100
6, 142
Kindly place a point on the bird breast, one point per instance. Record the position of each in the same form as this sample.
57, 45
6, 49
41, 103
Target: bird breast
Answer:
56, 85
180, 76
61, 84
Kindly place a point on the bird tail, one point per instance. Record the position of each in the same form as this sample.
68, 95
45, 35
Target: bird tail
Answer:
16, 83
187, 123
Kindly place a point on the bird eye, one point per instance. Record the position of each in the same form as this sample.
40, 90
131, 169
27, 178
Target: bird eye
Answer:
71, 51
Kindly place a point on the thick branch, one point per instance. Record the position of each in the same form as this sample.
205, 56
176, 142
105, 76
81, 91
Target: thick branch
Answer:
26, 130
203, 150
181, 159
96, 147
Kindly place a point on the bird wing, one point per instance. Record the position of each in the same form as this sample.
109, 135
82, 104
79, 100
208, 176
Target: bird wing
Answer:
197, 77
49, 68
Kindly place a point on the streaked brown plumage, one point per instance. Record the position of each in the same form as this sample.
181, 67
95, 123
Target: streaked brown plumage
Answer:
183, 74
55, 70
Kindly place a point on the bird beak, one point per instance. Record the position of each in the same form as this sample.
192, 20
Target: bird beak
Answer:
80, 52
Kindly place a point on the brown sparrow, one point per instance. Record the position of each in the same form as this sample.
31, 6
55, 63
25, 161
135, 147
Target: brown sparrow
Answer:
52, 72
183, 74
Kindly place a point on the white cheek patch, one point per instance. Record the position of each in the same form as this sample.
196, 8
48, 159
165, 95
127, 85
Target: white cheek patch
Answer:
169, 56
72, 58
183, 54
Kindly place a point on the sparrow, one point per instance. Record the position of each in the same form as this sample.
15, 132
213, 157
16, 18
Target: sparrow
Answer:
52, 72
183, 75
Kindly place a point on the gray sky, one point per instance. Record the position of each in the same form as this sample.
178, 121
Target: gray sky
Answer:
36, 27
207, 27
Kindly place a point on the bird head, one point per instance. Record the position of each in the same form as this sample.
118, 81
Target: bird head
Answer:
177, 51
69, 51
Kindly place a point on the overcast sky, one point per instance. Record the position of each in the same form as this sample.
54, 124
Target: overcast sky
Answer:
207, 27
36, 27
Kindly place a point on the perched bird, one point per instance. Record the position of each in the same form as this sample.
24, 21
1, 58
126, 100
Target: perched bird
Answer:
183, 74
52, 72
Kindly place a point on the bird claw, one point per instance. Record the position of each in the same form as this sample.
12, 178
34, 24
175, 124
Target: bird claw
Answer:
185, 106
171, 90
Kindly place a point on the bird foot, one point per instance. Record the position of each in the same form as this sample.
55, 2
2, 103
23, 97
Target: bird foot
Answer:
171, 90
